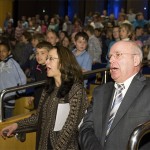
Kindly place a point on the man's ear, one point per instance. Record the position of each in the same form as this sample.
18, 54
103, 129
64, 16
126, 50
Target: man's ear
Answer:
137, 60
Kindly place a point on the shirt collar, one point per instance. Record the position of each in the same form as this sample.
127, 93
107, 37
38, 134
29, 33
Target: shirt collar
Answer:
9, 57
127, 82
74, 51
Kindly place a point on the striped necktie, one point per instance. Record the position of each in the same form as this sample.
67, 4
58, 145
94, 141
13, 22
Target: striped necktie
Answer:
116, 103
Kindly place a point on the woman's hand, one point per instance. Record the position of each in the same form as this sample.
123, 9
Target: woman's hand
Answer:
30, 100
8, 131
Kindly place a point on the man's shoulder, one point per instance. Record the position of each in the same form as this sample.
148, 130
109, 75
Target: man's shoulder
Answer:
104, 86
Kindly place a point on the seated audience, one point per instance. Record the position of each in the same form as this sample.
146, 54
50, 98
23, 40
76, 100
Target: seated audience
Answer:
11, 75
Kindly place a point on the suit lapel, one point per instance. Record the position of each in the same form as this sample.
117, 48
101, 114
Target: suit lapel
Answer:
132, 93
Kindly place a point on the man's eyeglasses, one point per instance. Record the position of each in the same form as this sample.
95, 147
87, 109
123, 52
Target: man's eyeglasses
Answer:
51, 58
118, 55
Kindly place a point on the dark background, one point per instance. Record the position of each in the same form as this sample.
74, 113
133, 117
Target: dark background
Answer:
79, 7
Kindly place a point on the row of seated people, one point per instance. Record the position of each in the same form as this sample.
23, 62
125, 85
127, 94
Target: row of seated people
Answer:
125, 70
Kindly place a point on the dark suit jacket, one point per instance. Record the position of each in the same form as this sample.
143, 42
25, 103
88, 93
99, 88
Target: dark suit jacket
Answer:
134, 110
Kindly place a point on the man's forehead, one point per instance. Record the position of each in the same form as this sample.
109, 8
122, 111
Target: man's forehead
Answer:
120, 46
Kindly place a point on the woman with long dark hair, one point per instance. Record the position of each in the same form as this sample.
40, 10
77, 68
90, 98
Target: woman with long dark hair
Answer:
64, 91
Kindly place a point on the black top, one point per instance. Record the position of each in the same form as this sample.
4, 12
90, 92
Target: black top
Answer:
40, 74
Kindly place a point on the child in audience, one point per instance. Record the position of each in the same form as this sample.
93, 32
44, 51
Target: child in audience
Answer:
11, 75
72, 45
94, 46
66, 42
62, 35
82, 56
36, 38
52, 37
126, 31
41, 53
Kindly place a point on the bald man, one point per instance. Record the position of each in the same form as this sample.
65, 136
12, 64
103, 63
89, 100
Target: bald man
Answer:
113, 115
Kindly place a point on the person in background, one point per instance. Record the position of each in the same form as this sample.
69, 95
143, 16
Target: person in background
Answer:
24, 22
43, 27
107, 38
64, 90
39, 71
67, 25
94, 46
139, 20
97, 32
66, 42
8, 19
10, 30
38, 28
53, 25
52, 37
114, 113
96, 21
122, 19
62, 35
88, 18
116, 38
138, 42
23, 50
46, 20
11, 75
131, 15
126, 31
32, 62
19, 30
72, 45
82, 56
95, 51
12, 44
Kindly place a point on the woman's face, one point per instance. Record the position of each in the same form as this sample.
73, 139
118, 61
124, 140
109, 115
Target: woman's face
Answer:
61, 35
53, 65
65, 42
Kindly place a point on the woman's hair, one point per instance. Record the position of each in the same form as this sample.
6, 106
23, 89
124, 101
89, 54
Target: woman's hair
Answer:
70, 72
